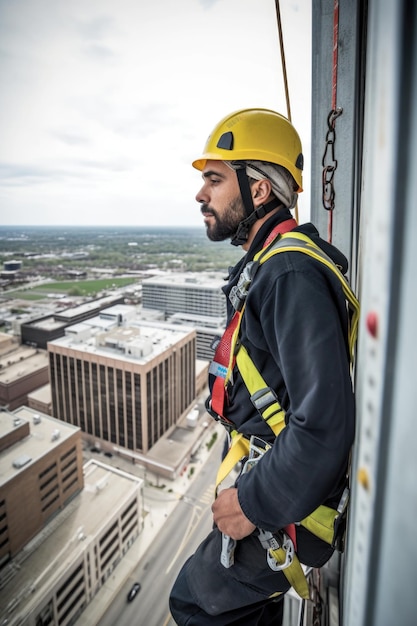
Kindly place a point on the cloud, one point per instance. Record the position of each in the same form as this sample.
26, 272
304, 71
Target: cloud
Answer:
70, 136
105, 103
101, 53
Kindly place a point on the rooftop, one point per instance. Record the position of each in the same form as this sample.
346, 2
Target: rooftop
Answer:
121, 332
43, 394
191, 280
21, 362
45, 433
47, 323
86, 307
54, 548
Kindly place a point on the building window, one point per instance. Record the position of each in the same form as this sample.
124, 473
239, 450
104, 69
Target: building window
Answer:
138, 412
120, 413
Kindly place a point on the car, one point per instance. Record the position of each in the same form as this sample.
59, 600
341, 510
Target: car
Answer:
133, 592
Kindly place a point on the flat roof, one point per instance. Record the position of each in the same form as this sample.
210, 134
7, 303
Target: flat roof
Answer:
40, 442
53, 550
20, 362
46, 323
86, 307
43, 394
160, 336
189, 280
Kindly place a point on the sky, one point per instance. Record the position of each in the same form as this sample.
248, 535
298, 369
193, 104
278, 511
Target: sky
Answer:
105, 103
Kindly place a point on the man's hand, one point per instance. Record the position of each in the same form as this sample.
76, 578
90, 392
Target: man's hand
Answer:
229, 517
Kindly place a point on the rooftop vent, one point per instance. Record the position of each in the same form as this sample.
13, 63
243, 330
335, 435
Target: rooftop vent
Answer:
55, 435
21, 461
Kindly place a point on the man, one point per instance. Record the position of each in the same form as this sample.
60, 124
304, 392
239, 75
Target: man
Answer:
289, 327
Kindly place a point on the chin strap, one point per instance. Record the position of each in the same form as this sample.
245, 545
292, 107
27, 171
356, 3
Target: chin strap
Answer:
242, 233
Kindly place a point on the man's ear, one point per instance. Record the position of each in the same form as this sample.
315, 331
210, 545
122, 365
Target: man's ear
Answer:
261, 191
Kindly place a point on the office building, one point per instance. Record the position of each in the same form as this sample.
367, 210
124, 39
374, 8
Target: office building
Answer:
54, 578
123, 381
192, 299
37, 332
208, 330
40, 471
22, 370
193, 293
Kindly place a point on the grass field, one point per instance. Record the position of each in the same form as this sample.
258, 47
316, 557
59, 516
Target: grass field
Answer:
73, 288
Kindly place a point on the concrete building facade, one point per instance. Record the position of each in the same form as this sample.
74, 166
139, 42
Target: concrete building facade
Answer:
194, 293
124, 382
40, 471
22, 370
193, 299
208, 329
54, 578
40, 400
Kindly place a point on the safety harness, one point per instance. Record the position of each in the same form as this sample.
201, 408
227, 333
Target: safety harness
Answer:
325, 522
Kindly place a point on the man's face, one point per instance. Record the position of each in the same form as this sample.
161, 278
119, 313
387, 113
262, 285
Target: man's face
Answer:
221, 202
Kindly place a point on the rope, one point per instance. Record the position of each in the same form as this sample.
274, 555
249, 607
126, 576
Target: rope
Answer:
283, 63
335, 52
334, 91
284, 73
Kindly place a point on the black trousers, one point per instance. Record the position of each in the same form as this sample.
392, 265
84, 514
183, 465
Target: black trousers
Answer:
186, 613
207, 593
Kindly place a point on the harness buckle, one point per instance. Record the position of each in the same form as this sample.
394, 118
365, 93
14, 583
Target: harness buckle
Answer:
263, 398
227, 557
288, 547
229, 426
257, 448
267, 539
238, 293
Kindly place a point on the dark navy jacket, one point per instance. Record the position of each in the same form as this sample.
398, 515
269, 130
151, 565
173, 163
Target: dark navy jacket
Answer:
295, 330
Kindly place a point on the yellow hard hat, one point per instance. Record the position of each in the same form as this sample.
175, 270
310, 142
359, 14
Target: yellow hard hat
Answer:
255, 135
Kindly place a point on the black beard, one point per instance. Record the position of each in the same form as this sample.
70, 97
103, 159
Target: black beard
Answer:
226, 226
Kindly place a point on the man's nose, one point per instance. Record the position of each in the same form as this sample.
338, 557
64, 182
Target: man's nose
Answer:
201, 195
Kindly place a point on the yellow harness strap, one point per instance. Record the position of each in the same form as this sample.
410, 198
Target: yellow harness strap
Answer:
239, 448
294, 573
298, 242
261, 395
321, 523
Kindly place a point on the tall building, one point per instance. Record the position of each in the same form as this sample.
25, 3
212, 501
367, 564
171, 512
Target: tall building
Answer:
40, 471
123, 381
55, 576
207, 328
193, 299
195, 293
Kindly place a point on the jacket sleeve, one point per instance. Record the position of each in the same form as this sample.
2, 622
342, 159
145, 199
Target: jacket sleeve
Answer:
302, 314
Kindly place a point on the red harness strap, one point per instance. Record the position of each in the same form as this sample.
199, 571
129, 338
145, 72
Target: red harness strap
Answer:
221, 362
220, 367
280, 229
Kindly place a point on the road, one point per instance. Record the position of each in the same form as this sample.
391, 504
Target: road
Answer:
184, 529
